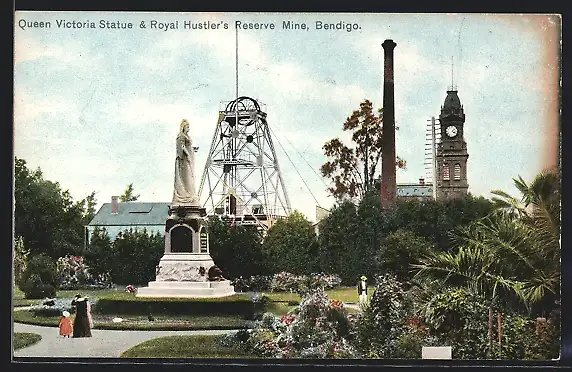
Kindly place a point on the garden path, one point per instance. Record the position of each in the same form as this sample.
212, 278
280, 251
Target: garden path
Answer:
103, 343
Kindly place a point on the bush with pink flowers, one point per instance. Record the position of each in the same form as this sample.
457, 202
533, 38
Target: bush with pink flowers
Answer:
73, 273
318, 328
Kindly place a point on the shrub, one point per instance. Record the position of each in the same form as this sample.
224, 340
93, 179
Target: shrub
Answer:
284, 282
39, 278
318, 328
99, 255
383, 320
73, 273
203, 306
255, 283
135, 255
288, 282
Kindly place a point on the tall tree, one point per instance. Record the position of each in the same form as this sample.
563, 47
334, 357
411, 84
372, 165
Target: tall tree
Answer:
292, 245
337, 239
128, 195
47, 218
353, 170
236, 250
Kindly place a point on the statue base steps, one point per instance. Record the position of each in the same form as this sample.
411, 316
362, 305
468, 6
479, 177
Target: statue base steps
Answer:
186, 289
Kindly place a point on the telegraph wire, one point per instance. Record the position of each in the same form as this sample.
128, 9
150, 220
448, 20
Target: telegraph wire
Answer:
291, 162
310, 166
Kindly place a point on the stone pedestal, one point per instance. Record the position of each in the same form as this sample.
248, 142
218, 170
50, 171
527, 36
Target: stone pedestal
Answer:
183, 269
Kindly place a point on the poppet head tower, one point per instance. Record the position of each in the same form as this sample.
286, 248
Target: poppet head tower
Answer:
242, 178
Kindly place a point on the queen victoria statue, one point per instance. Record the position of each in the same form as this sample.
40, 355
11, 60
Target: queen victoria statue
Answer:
186, 268
184, 192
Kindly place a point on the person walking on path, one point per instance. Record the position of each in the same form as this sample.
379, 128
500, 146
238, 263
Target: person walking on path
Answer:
362, 290
65, 325
81, 326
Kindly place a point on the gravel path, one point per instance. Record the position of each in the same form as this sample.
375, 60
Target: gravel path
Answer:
103, 343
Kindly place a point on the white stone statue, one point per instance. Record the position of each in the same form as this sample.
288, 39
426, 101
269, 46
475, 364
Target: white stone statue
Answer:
184, 192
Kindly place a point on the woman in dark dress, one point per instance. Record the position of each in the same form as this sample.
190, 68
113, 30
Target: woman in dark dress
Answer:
81, 326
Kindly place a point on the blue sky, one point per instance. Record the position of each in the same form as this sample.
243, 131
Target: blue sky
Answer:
97, 109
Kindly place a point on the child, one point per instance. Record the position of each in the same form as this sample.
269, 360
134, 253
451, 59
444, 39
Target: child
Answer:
65, 325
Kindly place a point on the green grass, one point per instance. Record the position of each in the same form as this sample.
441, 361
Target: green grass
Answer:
282, 296
279, 308
24, 339
204, 346
344, 294
134, 322
347, 294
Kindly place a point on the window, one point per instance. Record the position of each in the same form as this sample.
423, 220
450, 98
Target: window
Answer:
445, 172
457, 172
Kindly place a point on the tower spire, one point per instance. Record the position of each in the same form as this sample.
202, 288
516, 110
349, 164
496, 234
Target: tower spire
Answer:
452, 87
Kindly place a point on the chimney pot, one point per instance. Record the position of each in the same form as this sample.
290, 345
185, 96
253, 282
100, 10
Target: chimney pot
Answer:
115, 204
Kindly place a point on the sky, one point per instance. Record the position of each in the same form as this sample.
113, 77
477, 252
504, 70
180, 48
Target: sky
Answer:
99, 108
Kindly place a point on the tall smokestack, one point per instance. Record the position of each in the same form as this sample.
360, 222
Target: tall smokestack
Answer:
388, 179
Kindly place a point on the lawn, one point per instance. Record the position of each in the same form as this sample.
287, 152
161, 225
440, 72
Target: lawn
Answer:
343, 294
134, 322
24, 339
204, 346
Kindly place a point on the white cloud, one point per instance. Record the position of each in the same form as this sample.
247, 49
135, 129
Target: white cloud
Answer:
68, 54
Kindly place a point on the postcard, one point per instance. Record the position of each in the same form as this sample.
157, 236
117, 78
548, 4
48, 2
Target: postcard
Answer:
287, 185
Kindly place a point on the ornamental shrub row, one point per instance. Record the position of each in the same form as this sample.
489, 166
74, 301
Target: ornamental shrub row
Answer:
233, 305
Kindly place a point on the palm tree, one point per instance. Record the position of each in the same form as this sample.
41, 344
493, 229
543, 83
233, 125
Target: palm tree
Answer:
512, 253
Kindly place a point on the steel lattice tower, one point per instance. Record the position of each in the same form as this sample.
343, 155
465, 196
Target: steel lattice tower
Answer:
241, 178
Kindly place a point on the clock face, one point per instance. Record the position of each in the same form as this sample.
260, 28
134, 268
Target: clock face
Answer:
451, 131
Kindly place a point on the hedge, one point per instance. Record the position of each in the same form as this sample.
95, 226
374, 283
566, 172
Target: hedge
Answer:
231, 305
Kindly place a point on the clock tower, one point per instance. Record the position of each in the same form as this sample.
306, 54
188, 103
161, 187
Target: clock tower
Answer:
452, 150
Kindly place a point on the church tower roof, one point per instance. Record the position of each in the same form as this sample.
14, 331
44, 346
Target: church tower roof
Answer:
452, 101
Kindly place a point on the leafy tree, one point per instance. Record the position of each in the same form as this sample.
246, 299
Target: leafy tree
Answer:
353, 170
435, 220
337, 243
399, 251
47, 218
236, 250
369, 234
135, 256
128, 195
89, 211
291, 245
99, 255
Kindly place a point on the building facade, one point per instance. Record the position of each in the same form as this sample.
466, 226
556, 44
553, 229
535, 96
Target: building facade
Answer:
452, 152
116, 217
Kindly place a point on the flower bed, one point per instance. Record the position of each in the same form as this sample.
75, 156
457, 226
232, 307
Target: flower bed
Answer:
318, 328
286, 282
73, 273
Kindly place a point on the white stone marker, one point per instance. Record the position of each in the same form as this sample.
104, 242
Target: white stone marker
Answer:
436, 352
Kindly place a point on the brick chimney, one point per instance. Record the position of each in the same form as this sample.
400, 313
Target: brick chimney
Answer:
388, 177
422, 181
114, 204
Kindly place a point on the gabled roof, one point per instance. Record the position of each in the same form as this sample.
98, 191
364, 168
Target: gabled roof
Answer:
416, 190
132, 214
